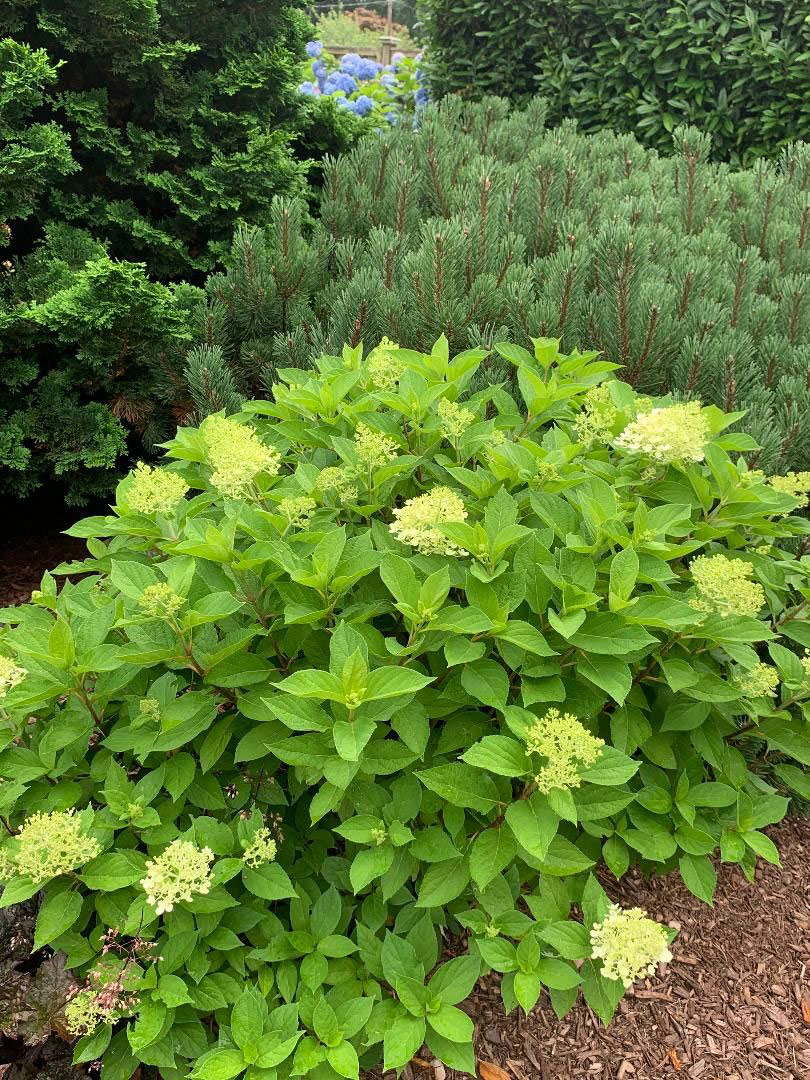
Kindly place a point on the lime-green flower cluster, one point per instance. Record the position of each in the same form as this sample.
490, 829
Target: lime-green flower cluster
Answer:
761, 681
261, 849
52, 843
724, 586
337, 480
629, 944
297, 510
373, 449
160, 601
149, 709
179, 873
416, 522
382, 367
669, 435
155, 491
237, 455
84, 1012
793, 483
454, 419
599, 413
567, 744
11, 675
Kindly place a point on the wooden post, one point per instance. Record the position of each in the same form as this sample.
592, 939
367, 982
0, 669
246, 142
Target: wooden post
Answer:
388, 43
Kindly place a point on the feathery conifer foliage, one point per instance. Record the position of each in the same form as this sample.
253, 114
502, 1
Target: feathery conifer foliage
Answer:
736, 69
140, 130
486, 226
178, 115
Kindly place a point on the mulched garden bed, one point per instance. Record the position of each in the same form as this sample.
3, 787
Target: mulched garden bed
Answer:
733, 1005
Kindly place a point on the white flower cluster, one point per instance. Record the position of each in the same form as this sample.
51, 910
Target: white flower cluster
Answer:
180, 872
52, 844
629, 944
11, 675
416, 522
672, 434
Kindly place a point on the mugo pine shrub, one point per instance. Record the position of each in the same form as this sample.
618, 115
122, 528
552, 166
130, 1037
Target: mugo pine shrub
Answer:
486, 226
381, 661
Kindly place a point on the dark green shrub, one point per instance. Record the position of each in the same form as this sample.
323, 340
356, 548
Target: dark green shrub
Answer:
737, 69
400, 668
178, 115
90, 353
485, 226
137, 131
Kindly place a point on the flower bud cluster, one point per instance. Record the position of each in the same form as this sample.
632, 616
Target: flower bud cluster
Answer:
11, 675
297, 510
568, 746
52, 844
382, 367
595, 422
340, 482
454, 419
724, 586
155, 491
761, 681
793, 483
373, 449
261, 849
160, 601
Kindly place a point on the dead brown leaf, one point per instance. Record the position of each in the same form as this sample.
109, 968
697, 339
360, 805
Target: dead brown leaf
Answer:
490, 1071
676, 1061
806, 1008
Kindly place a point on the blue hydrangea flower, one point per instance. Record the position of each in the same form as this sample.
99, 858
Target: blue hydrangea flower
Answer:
314, 48
309, 88
340, 80
388, 81
397, 58
360, 67
391, 117
363, 105
420, 97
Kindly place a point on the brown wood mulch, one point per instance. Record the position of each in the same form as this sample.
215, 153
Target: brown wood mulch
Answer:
734, 1004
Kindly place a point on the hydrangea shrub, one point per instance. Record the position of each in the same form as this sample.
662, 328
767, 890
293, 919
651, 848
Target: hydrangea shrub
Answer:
352, 695
385, 93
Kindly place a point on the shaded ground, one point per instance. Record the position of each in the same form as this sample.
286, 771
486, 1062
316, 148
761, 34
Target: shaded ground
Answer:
734, 1003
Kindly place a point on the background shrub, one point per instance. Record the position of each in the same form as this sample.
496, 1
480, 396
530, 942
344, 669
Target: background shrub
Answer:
736, 70
485, 226
361, 691
178, 117
140, 132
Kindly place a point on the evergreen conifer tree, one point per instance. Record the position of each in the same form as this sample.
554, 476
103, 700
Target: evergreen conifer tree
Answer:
485, 226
